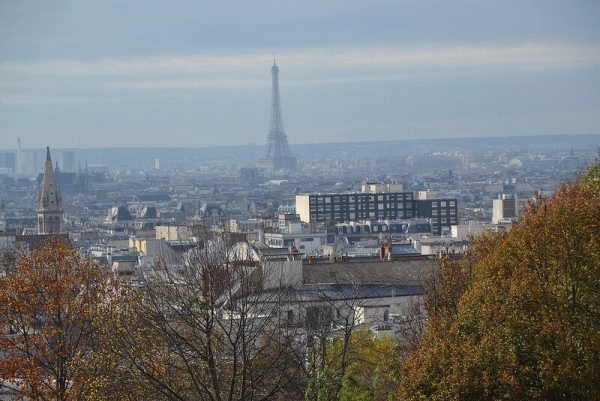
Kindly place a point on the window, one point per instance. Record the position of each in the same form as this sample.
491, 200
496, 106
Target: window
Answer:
452, 203
444, 212
443, 203
328, 199
380, 206
434, 212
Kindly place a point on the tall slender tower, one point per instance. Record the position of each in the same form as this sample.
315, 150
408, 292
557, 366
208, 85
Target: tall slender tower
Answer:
18, 166
50, 211
277, 154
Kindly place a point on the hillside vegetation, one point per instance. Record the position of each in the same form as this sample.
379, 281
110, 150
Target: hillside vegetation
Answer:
519, 318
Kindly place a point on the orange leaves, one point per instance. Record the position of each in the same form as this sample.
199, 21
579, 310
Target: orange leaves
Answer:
518, 319
47, 306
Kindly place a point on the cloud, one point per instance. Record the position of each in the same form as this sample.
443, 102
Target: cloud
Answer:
521, 56
41, 99
192, 84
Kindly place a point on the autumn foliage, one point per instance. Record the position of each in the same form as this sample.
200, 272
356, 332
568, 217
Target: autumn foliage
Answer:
520, 317
47, 308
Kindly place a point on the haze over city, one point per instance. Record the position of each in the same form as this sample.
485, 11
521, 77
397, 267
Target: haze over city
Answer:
303, 201
195, 74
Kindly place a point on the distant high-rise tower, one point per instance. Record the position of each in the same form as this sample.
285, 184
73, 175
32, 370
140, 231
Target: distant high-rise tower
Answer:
18, 167
67, 161
277, 154
50, 211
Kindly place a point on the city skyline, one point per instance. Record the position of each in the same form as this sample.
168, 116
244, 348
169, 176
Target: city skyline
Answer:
405, 208
187, 76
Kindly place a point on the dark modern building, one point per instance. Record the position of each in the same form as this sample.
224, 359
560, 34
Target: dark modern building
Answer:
376, 206
441, 212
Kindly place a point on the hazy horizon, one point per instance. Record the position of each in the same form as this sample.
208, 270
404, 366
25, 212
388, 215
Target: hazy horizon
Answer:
157, 74
574, 137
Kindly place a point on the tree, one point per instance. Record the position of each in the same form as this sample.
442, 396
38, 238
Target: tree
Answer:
344, 359
519, 317
329, 349
201, 328
47, 309
372, 371
330, 223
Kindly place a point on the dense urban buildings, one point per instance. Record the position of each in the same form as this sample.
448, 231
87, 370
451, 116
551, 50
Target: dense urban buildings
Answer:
309, 249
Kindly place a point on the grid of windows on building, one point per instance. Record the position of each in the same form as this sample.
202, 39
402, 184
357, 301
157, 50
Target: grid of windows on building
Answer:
346, 207
441, 212
367, 206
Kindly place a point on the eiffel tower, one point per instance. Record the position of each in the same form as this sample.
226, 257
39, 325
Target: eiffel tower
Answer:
277, 154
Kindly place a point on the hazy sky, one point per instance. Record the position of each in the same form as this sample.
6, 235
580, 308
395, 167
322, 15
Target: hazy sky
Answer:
108, 73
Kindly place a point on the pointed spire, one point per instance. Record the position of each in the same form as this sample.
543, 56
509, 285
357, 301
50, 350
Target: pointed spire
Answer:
50, 212
49, 193
48, 171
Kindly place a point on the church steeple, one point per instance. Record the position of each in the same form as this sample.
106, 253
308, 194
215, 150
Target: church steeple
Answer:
50, 211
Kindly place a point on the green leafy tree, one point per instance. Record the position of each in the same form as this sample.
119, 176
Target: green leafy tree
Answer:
360, 367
